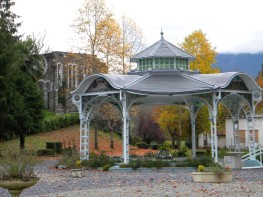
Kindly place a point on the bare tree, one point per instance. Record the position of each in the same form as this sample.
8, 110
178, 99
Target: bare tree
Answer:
39, 39
131, 42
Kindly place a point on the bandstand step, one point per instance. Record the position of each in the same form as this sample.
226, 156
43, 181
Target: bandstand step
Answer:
251, 163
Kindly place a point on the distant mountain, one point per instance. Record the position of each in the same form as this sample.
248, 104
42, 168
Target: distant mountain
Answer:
242, 62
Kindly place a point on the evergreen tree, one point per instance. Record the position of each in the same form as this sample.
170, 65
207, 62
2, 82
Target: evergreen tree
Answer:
21, 102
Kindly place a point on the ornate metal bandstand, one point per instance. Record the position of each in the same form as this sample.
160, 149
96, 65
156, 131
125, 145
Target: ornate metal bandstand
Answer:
163, 77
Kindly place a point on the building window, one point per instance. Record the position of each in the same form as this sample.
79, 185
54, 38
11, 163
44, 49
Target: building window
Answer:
145, 64
163, 63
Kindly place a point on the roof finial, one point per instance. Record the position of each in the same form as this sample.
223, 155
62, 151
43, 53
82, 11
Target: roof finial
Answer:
161, 33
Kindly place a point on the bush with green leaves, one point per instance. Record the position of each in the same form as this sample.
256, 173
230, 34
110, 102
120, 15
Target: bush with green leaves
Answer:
196, 161
165, 147
99, 160
69, 158
222, 152
146, 163
174, 153
124, 165
59, 121
143, 145
106, 167
187, 152
201, 152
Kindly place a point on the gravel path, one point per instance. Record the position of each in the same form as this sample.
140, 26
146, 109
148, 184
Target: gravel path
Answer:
54, 183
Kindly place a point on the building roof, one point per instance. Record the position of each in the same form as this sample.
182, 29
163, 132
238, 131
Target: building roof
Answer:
169, 83
162, 48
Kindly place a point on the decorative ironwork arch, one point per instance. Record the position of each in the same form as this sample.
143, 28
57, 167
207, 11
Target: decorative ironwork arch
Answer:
235, 104
86, 116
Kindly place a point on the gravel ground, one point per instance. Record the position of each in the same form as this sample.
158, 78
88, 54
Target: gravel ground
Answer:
55, 183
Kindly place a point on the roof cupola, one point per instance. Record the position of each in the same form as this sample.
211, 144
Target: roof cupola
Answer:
162, 55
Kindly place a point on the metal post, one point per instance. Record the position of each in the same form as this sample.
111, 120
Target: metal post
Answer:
251, 137
192, 114
214, 129
127, 139
124, 133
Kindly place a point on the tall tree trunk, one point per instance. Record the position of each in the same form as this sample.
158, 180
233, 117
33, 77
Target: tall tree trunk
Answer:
180, 128
173, 140
96, 144
111, 126
111, 139
22, 140
178, 141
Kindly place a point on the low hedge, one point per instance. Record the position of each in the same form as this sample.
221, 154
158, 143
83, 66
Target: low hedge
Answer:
45, 152
55, 146
143, 145
60, 121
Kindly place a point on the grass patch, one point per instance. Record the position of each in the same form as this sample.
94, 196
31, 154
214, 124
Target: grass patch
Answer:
69, 135
49, 114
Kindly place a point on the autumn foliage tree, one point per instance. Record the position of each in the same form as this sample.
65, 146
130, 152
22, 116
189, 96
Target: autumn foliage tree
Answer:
259, 81
109, 38
87, 26
175, 121
106, 117
147, 128
198, 45
102, 36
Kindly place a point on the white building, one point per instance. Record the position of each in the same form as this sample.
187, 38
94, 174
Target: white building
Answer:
204, 140
243, 131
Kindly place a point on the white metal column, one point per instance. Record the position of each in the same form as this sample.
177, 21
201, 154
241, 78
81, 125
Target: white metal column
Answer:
236, 133
193, 116
213, 117
125, 133
251, 137
84, 139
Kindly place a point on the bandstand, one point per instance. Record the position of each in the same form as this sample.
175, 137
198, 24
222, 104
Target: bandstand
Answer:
163, 77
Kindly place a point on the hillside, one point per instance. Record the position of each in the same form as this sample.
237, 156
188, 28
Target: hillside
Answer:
243, 62
70, 136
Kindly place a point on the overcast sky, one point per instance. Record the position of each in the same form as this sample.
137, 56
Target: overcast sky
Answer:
230, 25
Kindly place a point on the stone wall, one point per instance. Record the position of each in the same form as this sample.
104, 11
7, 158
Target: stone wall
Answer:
62, 74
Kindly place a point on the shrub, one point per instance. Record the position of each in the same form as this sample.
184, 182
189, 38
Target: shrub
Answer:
174, 153
134, 139
135, 164
149, 154
45, 152
59, 121
55, 146
106, 167
200, 168
155, 146
69, 158
17, 164
100, 160
123, 165
201, 152
205, 161
147, 163
165, 147
155, 163
184, 152
222, 152
187, 152
143, 145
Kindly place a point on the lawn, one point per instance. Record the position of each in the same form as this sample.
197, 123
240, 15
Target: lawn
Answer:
70, 136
